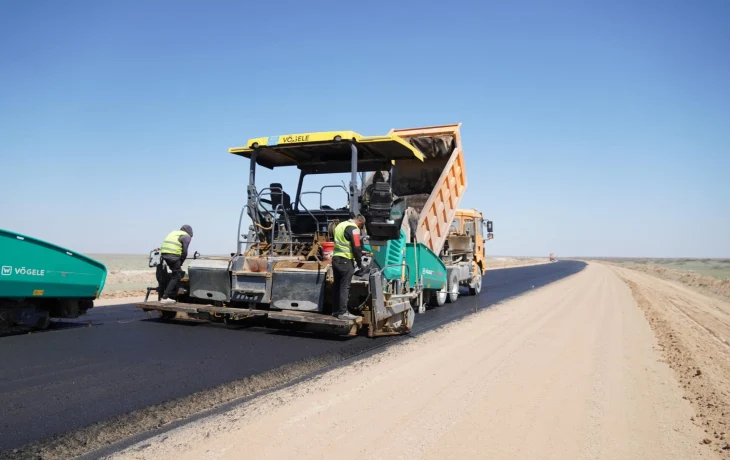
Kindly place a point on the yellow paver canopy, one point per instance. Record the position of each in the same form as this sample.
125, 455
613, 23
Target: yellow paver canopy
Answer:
327, 151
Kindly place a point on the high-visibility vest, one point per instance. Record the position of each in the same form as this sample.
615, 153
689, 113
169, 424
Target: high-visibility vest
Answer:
171, 245
342, 246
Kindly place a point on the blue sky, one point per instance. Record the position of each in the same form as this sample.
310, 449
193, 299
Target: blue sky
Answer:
589, 128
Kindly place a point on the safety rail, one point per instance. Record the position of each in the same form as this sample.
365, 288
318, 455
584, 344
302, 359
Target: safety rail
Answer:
278, 210
324, 211
238, 237
287, 225
316, 222
273, 216
331, 186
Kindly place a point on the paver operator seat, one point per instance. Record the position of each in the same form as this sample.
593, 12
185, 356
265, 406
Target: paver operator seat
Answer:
383, 216
279, 197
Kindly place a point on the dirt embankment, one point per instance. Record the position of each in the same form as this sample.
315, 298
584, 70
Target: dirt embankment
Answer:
571, 370
127, 283
494, 263
703, 283
121, 295
693, 330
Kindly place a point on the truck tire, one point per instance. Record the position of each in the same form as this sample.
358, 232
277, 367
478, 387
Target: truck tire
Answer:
453, 287
44, 322
437, 298
477, 286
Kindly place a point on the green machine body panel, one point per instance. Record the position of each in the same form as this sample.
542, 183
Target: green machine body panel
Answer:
422, 262
393, 253
30, 267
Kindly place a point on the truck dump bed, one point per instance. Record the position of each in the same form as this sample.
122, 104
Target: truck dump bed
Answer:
435, 186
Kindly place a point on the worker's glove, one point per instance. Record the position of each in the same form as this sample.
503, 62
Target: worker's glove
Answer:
360, 272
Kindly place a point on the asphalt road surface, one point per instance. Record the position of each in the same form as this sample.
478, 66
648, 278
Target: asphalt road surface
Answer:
116, 360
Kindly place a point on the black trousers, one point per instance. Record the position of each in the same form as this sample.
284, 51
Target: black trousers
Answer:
342, 270
175, 265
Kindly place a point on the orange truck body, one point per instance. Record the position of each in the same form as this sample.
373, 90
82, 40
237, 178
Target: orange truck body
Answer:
440, 179
434, 188
466, 220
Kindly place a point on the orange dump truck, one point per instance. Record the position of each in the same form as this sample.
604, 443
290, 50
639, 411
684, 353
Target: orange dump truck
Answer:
433, 189
464, 254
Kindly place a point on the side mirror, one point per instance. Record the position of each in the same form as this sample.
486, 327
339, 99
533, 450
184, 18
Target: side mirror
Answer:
489, 226
196, 255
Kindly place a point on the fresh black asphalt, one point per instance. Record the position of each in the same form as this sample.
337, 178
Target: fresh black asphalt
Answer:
116, 360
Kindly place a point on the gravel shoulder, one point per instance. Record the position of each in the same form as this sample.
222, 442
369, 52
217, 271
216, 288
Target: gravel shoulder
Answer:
693, 330
571, 370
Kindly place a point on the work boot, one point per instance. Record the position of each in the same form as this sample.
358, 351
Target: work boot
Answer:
167, 300
347, 316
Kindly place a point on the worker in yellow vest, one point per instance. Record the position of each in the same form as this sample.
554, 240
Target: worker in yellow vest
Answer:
174, 251
348, 253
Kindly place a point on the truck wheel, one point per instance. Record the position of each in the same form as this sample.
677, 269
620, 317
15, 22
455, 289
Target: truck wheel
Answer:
437, 298
453, 287
477, 286
44, 322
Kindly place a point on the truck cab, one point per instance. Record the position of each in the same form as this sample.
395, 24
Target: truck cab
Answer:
471, 226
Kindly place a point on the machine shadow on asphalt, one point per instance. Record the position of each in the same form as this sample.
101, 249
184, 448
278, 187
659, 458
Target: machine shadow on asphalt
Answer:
63, 325
55, 326
254, 327
172, 322
196, 324
311, 335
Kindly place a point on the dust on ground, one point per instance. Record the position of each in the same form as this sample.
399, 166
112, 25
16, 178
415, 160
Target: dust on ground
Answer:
693, 330
571, 370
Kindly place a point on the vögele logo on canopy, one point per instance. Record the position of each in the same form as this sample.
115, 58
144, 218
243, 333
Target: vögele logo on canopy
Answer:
7, 270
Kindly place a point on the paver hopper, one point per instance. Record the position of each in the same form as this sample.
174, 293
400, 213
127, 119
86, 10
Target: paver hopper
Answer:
40, 281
